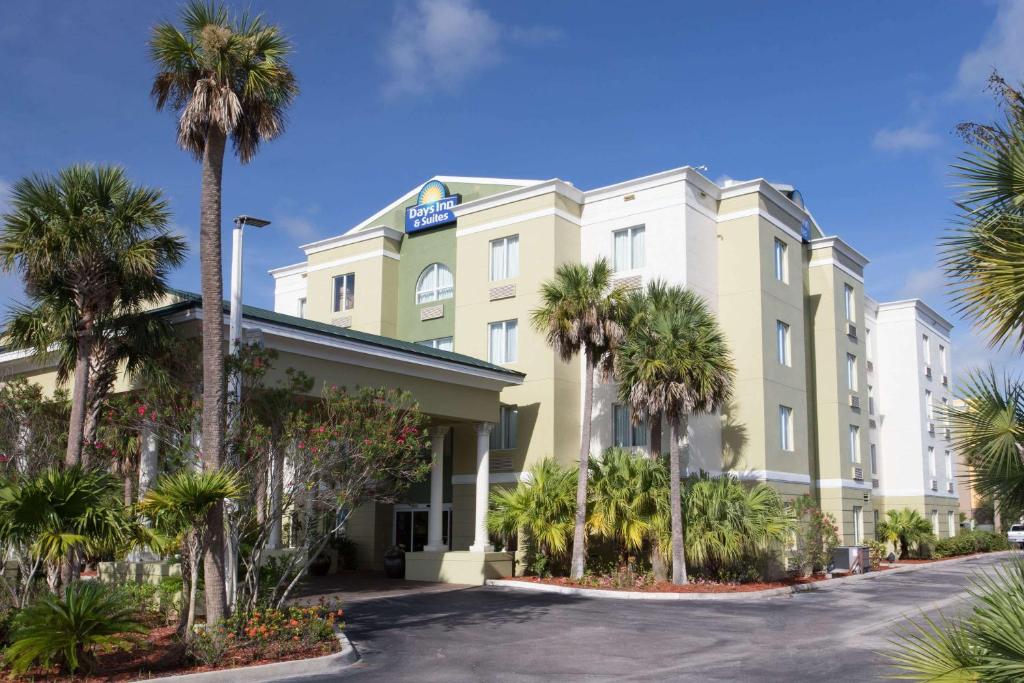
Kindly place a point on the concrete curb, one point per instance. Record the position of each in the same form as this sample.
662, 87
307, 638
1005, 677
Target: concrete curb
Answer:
830, 584
278, 671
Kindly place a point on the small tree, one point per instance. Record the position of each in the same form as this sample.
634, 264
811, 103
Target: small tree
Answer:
33, 428
904, 529
816, 536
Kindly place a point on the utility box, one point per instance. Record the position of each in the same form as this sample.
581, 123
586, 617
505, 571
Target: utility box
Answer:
855, 559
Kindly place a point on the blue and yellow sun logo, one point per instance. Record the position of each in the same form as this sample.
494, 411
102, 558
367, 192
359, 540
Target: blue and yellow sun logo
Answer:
433, 191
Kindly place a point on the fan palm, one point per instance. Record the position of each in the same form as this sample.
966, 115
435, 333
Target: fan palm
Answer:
985, 645
225, 79
678, 363
179, 505
984, 256
988, 429
578, 315
628, 498
93, 249
539, 507
906, 528
727, 521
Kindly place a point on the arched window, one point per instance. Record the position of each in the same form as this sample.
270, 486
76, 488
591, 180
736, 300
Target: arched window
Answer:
435, 283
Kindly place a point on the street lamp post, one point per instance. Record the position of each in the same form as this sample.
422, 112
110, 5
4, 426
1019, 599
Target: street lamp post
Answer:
235, 381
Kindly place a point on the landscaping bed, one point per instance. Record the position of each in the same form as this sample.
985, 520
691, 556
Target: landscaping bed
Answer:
695, 586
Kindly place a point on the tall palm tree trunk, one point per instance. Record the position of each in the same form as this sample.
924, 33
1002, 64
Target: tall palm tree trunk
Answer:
658, 566
678, 550
579, 536
213, 364
654, 445
76, 425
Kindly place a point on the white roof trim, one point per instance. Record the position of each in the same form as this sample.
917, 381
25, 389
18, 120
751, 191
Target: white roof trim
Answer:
920, 305
376, 232
556, 185
285, 271
837, 243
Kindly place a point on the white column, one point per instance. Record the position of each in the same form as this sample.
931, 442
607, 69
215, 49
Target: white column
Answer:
481, 543
148, 459
435, 532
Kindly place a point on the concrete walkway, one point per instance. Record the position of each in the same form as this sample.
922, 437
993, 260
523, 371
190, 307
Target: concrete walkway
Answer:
361, 586
496, 634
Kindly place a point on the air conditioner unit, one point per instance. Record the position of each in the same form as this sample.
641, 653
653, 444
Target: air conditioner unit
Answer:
851, 330
874, 483
855, 401
857, 473
928, 371
935, 485
949, 487
872, 424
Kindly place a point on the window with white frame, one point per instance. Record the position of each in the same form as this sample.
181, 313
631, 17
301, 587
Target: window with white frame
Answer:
505, 258
935, 522
929, 407
851, 371
926, 349
854, 443
931, 460
781, 261
867, 344
874, 458
858, 525
782, 340
344, 292
942, 358
786, 428
951, 522
502, 342
849, 303
434, 284
628, 248
871, 400
627, 434
441, 343
504, 435
302, 307
949, 465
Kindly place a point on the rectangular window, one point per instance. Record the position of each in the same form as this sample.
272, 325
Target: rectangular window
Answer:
344, 292
851, 371
951, 523
505, 434
786, 428
628, 248
628, 435
781, 261
441, 343
782, 341
931, 460
935, 522
874, 458
867, 343
302, 307
854, 443
929, 407
505, 258
858, 525
949, 465
926, 349
942, 358
502, 342
849, 304
874, 514
871, 400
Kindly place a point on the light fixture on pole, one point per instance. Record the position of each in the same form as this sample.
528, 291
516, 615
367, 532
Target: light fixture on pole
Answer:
235, 328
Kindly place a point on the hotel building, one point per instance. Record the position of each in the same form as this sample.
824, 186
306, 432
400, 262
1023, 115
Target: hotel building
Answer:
836, 395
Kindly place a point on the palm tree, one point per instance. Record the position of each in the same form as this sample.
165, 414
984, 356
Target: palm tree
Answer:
727, 521
578, 315
678, 363
906, 528
179, 507
225, 79
539, 507
93, 249
988, 429
628, 499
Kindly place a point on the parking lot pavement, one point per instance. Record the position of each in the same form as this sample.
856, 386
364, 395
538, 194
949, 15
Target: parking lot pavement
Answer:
494, 634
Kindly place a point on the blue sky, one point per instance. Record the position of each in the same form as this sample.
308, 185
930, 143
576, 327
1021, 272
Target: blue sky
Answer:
854, 103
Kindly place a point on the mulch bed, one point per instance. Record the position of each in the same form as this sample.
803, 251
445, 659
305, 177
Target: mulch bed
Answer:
161, 653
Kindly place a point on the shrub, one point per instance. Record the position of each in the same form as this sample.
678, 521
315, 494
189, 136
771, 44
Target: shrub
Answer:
171, 596
263, 627
348, 553
969, 542
64, 632
878, 551
137, 597
209, 644
817, 536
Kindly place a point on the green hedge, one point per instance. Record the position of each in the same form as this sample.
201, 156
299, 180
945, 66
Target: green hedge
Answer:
969, 542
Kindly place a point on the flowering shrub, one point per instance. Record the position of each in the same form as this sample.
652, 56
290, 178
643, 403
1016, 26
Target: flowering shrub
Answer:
816, 537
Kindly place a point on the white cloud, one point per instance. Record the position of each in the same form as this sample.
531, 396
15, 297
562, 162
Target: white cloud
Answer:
297, 227
1000, 49
910, 138
441, 44
924, 284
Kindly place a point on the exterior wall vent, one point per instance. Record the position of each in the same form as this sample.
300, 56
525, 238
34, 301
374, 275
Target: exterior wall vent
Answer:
501, 463
630, 281
503, 292
855, 401
874, 483
949, 487
851, 330
934, 485
928, 371
342, 322
857, 473
432, 312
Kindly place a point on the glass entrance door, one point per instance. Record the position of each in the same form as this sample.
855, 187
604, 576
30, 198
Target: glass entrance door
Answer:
410, 526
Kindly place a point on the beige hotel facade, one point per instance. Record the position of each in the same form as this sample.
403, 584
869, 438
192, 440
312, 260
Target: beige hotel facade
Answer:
836, 396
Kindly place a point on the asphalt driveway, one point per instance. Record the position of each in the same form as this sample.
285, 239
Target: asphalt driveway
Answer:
494, 634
